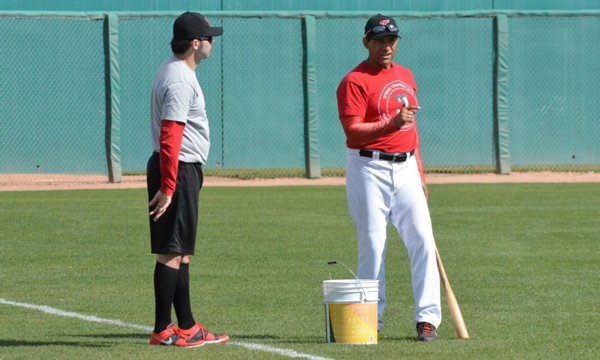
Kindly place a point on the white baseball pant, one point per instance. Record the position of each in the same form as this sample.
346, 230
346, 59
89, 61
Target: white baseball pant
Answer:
380, 191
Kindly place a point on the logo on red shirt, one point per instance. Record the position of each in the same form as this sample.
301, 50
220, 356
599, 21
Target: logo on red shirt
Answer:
394, 96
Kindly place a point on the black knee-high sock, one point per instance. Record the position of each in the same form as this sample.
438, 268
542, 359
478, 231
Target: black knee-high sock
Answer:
165, 283
181, 301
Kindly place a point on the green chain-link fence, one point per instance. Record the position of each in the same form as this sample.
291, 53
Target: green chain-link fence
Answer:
264, 122
553, 99
52, 106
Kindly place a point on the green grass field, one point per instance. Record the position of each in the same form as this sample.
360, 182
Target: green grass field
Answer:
523, 261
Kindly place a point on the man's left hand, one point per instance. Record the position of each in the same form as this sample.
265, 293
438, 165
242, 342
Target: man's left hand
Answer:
162, 202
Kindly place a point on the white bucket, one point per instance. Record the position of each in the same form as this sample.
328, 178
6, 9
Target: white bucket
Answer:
351, 311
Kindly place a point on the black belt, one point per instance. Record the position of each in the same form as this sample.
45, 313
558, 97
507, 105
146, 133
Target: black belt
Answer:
397, 157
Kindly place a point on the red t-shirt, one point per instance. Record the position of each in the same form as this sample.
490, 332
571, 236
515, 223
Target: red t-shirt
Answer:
376, 95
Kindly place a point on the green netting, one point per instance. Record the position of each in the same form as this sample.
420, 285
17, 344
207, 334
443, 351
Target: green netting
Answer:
52, 96
553, 97
263, 96
52, 102
452, 61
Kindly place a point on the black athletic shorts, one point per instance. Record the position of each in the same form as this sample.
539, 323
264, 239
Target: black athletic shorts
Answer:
175, 231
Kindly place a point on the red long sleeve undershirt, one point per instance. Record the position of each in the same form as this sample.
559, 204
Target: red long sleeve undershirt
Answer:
358, 131
171, 134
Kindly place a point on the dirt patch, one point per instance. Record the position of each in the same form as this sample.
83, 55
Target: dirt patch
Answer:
516, 177
527, 177
11, 182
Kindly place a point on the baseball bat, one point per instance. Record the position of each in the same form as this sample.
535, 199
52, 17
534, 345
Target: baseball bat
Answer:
457, 318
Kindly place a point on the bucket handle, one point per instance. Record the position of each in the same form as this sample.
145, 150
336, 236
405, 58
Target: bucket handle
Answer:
357, 279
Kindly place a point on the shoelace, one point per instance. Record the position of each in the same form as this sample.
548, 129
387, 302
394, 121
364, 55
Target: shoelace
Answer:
204, 333
427, 328
177, 332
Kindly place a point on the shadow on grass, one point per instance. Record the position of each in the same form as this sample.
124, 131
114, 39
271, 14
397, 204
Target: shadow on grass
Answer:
275, 339
114, 336
91, 344
256, 337
398, 338
17, 343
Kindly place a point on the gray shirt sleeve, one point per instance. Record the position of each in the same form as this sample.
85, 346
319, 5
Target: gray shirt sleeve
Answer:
177, 102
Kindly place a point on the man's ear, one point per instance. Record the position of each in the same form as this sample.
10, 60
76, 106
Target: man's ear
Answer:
196, 44
365, 42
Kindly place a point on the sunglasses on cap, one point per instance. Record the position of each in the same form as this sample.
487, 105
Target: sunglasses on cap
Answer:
381, 28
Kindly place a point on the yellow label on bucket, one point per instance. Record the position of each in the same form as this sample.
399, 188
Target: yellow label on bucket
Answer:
353, 323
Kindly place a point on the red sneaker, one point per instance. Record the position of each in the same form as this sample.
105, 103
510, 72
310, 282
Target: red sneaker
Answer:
171, 336
199, 333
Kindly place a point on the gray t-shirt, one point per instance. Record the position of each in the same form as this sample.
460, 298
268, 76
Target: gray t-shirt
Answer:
177, 96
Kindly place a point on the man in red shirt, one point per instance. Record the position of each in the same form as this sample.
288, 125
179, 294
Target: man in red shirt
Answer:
385, 182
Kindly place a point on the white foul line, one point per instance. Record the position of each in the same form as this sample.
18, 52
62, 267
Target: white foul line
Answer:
283, 352
90, 318
53, 311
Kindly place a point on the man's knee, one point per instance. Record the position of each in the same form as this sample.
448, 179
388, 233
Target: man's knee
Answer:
173, 260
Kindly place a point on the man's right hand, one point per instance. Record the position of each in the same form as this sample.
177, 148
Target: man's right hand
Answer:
162, 202
406, 115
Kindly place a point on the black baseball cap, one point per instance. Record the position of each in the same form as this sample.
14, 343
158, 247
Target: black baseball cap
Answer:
380, 26
192, 25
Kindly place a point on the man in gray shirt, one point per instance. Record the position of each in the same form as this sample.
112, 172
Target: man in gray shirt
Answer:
180, 140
